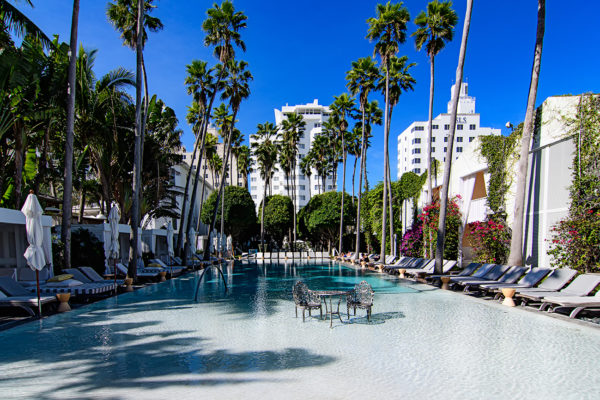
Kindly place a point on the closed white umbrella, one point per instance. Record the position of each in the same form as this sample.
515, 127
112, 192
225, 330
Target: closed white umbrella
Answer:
35, 236
113, 245
170, 249
230, 245
192, 239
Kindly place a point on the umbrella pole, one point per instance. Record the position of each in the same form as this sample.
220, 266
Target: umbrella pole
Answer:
37, 283
115, 271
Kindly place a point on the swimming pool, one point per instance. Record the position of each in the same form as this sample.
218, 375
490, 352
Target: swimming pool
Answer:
423, 343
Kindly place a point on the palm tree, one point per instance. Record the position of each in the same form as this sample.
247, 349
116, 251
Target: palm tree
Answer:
292, 128
341, 108
11, 19
265, 146
319, 153
130, 19
68, 177
222, 29
361, 80
354, 146
243, 164
236, 89
435, 29
400, 80
516, 243
306, 166
441, 232
388, 30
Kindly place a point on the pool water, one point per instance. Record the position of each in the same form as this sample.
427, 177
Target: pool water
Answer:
159, 343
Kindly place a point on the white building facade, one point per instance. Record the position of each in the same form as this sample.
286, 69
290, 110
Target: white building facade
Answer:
412, 142
306, 186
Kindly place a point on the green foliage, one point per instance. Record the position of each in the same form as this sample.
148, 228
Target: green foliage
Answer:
240, 215
576, 241
499, 152
279, 214
491, 241
319, 219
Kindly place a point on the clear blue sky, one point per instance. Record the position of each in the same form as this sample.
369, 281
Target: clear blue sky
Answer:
299, 51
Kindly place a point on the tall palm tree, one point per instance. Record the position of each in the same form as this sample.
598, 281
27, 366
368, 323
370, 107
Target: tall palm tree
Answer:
400, 80
68, 176
130, 18
341, 108
236, 90
516, 243
306, 166
222, 30
388, 30
292, 128
265, 146
361, 80
435, 29
354, 147
441, 232
243, 164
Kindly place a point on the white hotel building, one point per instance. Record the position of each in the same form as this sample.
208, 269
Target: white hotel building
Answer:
412, 143
306, 186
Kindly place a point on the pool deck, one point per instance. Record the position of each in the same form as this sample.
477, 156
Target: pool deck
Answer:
157, 343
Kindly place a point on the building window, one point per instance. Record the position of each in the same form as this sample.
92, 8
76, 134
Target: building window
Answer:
317, 124
416, 161
416, 151
302, 197
275, 187
459, 139
416, 141
435, 127
472, 127
459, 149
417, 170
417, 128
328, 187
253, 180
433, 140
302, 187
445, 148
254, 197
253, 188
459, 127
447, 126
432, 149
301, 145
205, 176
446, 139
276, 178
471, 138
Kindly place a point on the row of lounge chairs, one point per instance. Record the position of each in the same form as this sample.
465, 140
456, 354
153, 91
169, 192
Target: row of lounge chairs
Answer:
553, 290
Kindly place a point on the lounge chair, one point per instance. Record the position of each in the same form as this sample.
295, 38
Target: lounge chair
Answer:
429, 269
557, 279
408, 262
466, 271
305, 299
577, 303
91, 273
492, 275
480, 273
76, 288
360, 297
172, 269
141, 272
583, 285
14, 295
530, 279
79, 275
513, 274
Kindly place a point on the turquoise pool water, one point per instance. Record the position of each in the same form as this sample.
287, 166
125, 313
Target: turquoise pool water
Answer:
158, 343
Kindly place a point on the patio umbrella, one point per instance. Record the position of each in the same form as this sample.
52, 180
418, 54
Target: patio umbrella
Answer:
170, 244
230, 245
113, 244
35, 236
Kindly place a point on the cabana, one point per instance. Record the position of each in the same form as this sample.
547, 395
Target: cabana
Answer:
13, 242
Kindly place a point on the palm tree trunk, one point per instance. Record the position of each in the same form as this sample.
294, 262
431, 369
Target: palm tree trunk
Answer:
362, 159
19, 151
353, 177
81, 204
516, 243
429, 131
294, 200
262, 220
386, 163
68, 176
201, 204
137, 155
391, 212
343, 192
441, 231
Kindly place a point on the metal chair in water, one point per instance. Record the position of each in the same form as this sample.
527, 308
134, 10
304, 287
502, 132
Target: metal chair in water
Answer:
305, 299
360, 297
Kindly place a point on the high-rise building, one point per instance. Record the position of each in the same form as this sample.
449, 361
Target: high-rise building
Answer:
306, 186
412, 143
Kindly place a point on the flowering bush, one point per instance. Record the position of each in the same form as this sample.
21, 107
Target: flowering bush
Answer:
412, 241
430, 219
491, 241
576, 242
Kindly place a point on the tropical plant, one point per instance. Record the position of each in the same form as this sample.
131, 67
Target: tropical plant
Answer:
279, 213
244, 164
435, 29
430, 219
341, 109
516, 243
239, 212
490, 240
265, 147
388, 30
361, 80
12, 19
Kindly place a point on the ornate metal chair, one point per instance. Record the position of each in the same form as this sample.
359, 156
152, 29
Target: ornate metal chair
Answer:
360, 297
305, 299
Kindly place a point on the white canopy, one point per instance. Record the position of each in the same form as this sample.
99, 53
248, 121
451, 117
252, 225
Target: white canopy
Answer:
113, 223
170, 240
